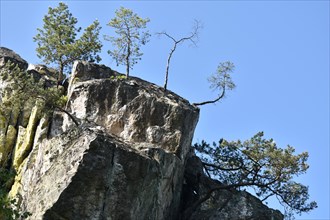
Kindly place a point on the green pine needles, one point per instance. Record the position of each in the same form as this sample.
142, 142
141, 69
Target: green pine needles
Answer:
260, 164
129, 28
58, 44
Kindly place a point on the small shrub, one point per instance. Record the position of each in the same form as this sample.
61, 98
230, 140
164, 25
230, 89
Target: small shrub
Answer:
119, 77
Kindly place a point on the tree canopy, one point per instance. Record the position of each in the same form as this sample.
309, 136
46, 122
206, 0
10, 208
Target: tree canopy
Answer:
257, 163
9, 208
129, 28
221, 80
26, 89
260, 164
57, 40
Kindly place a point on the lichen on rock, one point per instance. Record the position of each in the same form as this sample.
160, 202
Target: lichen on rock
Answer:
130, 157
25, 142
133, 110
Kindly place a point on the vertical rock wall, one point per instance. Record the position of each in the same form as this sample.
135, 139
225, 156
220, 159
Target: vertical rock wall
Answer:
134, 110
124, 161
129, 158
12, 123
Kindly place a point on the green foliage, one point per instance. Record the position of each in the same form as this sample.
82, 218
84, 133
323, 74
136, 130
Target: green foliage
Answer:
57, 43
221, 79
23, 89
19, 90
89, 44
118, 77
128, 26
61, 101
260, 164
9, 209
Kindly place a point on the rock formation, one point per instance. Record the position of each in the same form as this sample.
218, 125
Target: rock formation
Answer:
9, 55
130, 157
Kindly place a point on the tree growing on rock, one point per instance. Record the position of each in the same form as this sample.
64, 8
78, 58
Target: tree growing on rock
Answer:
25, 89
221, 80
129, 28
192, 38
57, 40
9, 209
259, 164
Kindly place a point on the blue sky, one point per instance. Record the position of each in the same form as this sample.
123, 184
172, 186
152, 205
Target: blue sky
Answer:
281, 53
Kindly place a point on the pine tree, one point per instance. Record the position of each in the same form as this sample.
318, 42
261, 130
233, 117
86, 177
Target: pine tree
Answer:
257, 163
25, 89
57, 40
220, 80
128, 26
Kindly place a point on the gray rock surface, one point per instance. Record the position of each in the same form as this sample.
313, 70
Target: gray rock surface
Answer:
223, 204
125, 161
17, 126
8, 128
88, 174
129, 158
134, 110
9, 55
5, 56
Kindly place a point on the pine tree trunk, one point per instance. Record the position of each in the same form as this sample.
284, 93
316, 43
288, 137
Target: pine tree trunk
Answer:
60, 74
127, 58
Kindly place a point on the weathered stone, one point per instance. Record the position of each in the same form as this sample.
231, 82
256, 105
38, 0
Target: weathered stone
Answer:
238, 205
9, 55
83, 71
15, 120
41, 130
134, 110
24, 146
42, 72
127, 159
8, 145
223, 204
144, 175
91, 175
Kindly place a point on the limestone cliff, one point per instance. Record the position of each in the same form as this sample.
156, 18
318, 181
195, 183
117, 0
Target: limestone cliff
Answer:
129, 158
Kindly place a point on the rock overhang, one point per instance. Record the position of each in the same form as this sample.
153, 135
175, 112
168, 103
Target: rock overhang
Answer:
132, 109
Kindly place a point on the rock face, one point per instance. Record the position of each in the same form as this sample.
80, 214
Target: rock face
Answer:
133, 110
18, 127
129, 158
10, 122
87, 174
126, 160
9, 55
223, 204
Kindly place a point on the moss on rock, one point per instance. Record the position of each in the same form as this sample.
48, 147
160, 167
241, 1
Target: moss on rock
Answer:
7, 142
25, 141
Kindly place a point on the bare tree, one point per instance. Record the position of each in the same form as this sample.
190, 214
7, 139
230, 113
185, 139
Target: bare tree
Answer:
193, 37
220, 80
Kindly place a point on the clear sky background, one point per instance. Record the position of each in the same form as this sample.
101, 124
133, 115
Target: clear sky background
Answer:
281, 53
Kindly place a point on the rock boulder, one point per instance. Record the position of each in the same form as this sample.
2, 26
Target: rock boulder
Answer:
130, 156
132, 109
9, 55
88, 174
